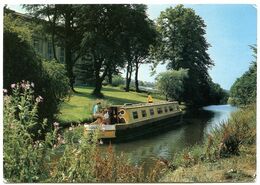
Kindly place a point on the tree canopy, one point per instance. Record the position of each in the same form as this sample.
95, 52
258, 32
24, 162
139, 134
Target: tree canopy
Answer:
113, 35
243, 91
183, 44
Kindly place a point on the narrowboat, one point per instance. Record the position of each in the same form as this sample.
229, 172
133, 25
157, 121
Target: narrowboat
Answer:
132, 121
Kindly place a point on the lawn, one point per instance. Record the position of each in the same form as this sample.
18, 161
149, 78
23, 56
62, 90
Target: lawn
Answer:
79, 107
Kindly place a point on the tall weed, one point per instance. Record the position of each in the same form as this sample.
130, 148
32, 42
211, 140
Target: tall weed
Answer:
25, 159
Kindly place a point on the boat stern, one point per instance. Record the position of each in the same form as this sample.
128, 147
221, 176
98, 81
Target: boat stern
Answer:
104, 131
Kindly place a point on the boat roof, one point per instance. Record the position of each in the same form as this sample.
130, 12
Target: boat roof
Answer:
139, 105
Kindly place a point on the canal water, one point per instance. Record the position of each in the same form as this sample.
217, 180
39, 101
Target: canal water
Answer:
196, 124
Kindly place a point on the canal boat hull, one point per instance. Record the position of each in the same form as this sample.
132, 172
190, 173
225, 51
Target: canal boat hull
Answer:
137, 121
147, 128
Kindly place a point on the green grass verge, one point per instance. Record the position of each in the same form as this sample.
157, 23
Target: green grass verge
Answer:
79, 107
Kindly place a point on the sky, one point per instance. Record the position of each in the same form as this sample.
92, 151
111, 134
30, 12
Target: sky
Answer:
231, 28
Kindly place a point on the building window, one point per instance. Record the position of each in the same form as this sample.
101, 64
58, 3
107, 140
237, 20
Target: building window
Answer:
50, 50
36, 45
165, 109
151, 112
144, 113
135, 115
159, 110
170, 108
62, 55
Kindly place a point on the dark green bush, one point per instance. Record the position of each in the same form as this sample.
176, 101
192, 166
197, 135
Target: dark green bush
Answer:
21, 63
54, 88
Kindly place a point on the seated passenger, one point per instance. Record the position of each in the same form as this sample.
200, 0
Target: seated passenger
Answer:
106, 117
97, 114
149, 99
97, 110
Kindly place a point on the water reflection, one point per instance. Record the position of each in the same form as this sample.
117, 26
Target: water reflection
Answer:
195, 125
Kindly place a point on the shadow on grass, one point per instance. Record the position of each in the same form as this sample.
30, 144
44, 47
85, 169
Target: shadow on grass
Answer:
113, 100
67, 105
120, 101
111, 89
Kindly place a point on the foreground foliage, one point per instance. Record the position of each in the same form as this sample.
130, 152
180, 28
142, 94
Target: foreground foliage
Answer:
59, 157
24, 158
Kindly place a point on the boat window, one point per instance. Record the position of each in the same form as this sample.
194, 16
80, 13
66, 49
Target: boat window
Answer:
170, 108
165, 109
135, 115
143, 113
151, 112
159, 110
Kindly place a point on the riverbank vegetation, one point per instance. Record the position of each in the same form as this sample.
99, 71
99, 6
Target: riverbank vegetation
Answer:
227, 155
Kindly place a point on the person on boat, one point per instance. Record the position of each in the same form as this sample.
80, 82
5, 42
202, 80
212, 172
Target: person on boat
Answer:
106, 117
149, 98
97, 110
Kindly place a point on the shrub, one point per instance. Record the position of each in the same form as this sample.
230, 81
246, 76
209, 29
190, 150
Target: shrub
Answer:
239, 129
77, 162
84, 162
21, 63
54, 88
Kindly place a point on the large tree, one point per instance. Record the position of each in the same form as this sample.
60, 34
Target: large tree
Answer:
103, 25
183, 45
139, 34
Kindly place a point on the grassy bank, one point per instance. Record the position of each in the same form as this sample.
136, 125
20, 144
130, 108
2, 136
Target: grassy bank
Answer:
228, 154
78, 108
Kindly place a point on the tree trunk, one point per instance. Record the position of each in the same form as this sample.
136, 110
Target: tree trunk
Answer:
52, 25
99, 79
136, 77
69, 67
97, 91
110, 74
128, 76
68, 54
52, 38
